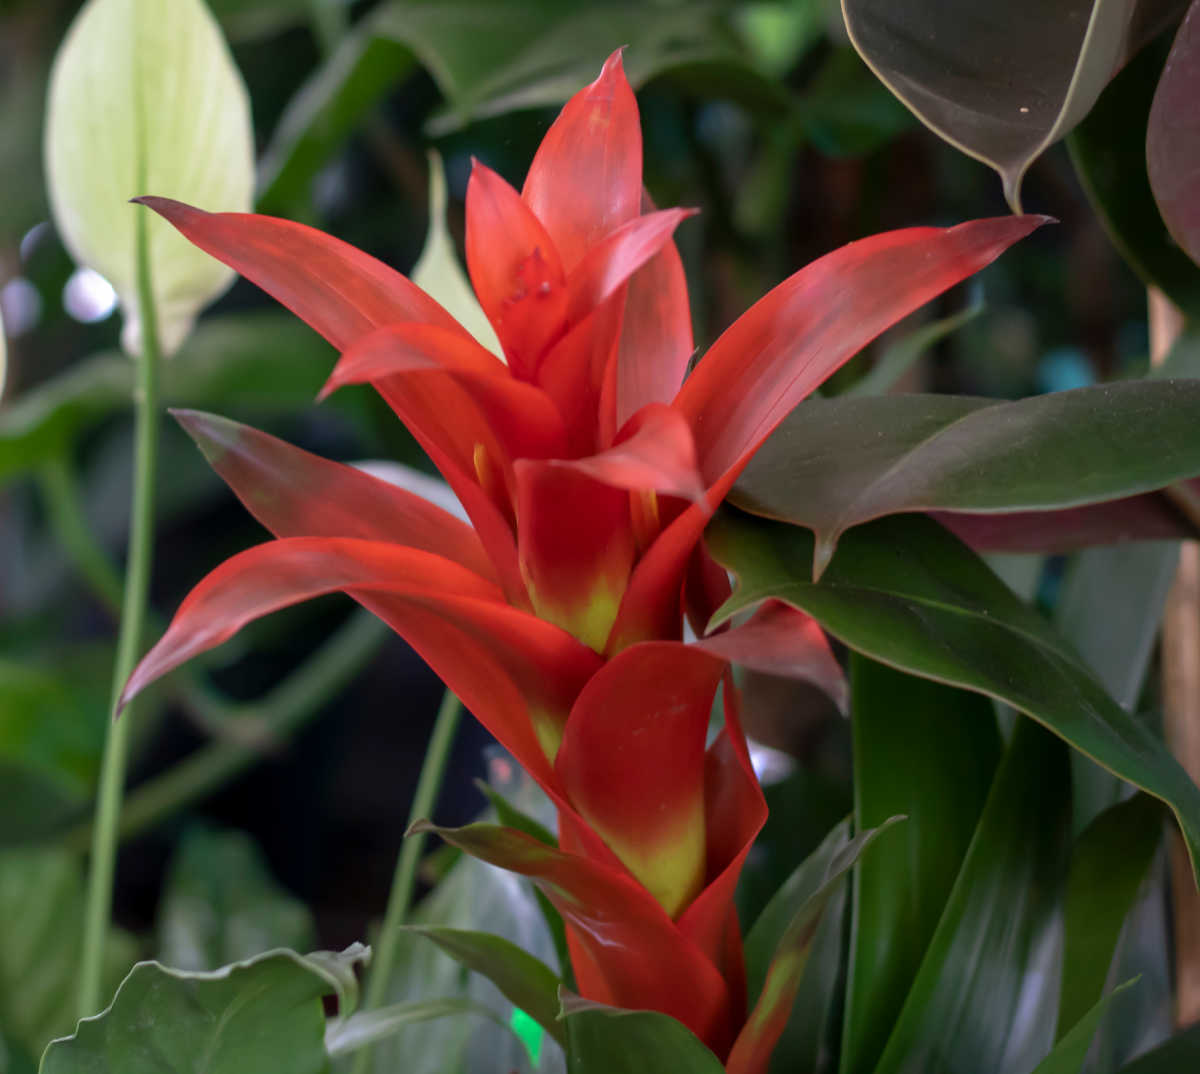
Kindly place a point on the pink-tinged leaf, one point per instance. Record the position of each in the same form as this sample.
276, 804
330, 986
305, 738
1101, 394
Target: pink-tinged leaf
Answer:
280, 573
655, 453
576, 547
615, 258
656, 337
648, 703
338, 290
1150, 516
296, 494
781, 640
625, 936
515, 269
586, 178
1173, 137
792, 339
521, 416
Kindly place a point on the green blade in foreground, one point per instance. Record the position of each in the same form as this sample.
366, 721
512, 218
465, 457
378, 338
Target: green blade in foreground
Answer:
835, 463
907, 593
1070, 1052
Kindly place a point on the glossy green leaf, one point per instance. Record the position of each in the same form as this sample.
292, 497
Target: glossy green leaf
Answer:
265, 361
221, 905
987, 961
1180, 1053
955, 453
145, 99
345, 1035
607, 1040
902, 355
523, 979
1001, 82
928, 752
1070, 1052
262, 1014
1108, 150
905, 592
1173, 137
41, 907
1108, 865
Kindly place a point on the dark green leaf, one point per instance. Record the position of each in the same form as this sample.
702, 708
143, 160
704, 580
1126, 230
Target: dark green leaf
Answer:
222, 905
951, 453
1180, 1053
1070, 1052
904, 591
1108, 865
985, 963
265, 361
929, 752
606, 1040
41, 939
845, 112
1001, 82
1109, 153
525, 980
262, 1014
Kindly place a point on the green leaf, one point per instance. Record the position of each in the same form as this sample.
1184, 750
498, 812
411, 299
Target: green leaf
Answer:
41, 906
221, 905
900, 356
523, 979
262, 1014
438, 272
344, 1035
1108, 865
905, 592
985, 964
929, 752
1180, 1053
955, 453
264, 361
1071, 1051
1002, 83
145, 99
608, 1040
1108, 150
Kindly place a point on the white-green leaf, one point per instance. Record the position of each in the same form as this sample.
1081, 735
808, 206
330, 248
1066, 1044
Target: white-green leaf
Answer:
145, 99
438, 272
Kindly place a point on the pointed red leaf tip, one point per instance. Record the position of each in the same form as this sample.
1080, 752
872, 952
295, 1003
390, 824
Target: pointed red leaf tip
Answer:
335, 288
805, 329
586, 177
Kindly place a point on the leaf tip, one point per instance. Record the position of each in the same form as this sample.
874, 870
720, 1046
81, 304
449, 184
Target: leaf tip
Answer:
823, 548
421, 826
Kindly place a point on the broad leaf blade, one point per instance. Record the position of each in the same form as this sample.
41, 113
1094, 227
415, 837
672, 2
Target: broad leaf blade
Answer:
1181, 1052
1071, 1051
963, 454
1002, 82
145, 99
928, 752
905, 592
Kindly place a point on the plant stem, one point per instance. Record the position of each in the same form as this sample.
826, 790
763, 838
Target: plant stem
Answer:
404, 881
278, 715
129, 642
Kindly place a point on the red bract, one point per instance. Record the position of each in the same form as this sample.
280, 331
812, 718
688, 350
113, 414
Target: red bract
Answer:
588, 468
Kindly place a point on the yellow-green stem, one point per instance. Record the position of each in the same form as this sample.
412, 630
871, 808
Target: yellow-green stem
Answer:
133, 613
404, 881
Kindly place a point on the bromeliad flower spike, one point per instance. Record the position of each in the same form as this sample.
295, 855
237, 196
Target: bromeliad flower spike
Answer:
588, 468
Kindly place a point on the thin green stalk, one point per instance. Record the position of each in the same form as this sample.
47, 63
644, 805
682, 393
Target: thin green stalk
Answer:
129, 642
405, 879
278, 715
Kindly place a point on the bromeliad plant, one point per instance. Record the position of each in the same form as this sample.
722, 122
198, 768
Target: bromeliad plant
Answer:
589, 467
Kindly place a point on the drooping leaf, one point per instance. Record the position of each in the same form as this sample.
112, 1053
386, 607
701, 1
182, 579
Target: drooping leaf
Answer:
145, 99
41, 904
905, 592
1071, 1050
262, 1014
1108, 150
1173, 138
221, 905
1001, 83
953, 453
1108, 865
260, 361
608, 1040
928, 752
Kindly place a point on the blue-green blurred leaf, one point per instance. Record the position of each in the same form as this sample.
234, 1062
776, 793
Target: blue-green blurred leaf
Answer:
1181, 1053
1070, 1052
